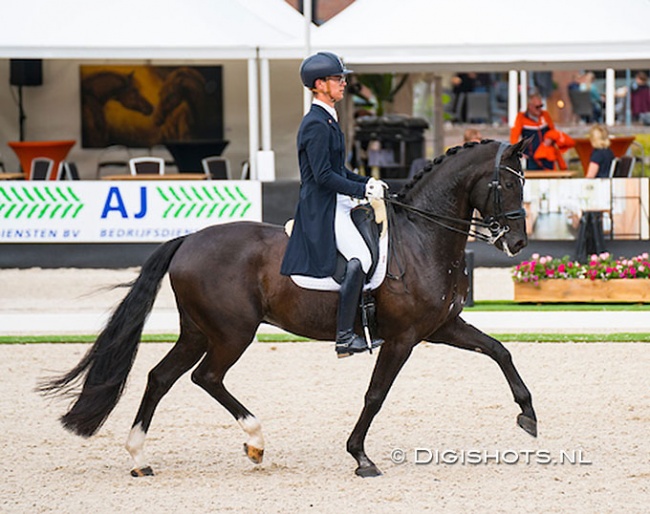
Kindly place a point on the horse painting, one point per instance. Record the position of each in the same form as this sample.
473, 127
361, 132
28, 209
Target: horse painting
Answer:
226, 280
182, 105
99, 88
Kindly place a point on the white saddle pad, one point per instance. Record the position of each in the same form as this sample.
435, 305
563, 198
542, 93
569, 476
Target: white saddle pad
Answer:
329, 284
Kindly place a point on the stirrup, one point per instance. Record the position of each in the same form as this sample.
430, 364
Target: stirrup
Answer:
348, 344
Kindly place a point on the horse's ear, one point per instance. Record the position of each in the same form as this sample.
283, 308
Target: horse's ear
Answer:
518, 148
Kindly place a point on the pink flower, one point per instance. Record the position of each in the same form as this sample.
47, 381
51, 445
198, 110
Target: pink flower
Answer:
561, 268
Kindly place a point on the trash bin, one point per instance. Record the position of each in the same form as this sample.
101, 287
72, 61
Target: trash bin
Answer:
390, 143
590, 238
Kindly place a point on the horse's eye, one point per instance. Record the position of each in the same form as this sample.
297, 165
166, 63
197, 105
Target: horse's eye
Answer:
510, 185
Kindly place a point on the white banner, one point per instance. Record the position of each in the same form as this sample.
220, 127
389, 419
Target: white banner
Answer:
109, 212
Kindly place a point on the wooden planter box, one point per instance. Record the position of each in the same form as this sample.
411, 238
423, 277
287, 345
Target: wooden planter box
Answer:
573, 291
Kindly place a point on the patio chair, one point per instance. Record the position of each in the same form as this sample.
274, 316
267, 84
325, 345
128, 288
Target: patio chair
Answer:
147, 166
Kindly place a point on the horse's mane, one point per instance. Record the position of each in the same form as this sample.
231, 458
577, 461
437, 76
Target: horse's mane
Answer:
434, 165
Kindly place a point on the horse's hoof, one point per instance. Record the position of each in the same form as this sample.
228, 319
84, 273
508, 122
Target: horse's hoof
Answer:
368, 471
528, 424
254, 454
142, 472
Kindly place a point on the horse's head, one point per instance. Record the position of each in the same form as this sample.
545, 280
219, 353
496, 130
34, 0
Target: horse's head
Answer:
182, 85
498, 196
128, 94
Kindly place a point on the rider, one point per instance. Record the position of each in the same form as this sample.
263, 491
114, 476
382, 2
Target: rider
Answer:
328, 191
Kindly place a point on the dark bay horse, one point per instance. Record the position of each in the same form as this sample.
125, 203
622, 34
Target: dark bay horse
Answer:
227, 281
96, 90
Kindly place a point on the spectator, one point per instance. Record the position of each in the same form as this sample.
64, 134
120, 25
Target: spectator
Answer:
640, 96
602, 156
472, 135
587, 84
534, 122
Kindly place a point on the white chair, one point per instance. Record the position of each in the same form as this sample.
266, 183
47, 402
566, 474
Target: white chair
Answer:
41, 168
245, 170
216, 167
114, 157
622, 167
147, 166
68, 171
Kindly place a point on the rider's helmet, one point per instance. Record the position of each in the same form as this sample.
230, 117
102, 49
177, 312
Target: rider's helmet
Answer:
321, 65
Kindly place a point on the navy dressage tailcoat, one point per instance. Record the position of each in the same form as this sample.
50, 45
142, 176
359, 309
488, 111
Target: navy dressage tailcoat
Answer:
311, 249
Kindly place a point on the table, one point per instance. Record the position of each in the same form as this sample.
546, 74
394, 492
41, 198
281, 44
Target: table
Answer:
549, 174
28, 150
155, 176
619, 146
12, 176
188, 154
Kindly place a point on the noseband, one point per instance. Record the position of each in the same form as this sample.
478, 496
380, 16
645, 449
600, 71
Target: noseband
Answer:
492, 223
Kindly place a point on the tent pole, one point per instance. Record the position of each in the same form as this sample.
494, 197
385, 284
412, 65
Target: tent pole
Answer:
253, 118
512, 97
307, 13
610, 113
265, 96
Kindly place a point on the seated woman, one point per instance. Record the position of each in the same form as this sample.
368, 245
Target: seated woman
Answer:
602, 156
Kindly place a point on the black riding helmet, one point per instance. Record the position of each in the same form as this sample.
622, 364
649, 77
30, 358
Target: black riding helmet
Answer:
321, 65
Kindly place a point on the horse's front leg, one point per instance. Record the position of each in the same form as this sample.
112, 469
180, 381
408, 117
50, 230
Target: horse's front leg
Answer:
392, 357
460, 334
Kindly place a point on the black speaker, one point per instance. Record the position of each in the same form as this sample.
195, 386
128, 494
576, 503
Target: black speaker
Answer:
26, 72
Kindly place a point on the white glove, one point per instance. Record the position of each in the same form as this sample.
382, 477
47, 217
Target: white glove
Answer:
375, 189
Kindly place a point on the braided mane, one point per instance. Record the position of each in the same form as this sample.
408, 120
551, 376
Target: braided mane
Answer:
401, 195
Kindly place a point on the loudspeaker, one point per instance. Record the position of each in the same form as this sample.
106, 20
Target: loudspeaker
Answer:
26, 72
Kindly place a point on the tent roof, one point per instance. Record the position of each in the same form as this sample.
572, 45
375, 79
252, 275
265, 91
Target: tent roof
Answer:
147, 29
409, 35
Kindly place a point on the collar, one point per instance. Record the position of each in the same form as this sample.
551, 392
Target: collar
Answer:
330, 110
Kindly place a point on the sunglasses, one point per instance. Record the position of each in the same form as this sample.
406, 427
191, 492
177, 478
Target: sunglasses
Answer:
538, 106
341, 79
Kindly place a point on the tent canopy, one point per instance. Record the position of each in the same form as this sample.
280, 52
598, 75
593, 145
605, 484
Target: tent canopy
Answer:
421, 35
147, 29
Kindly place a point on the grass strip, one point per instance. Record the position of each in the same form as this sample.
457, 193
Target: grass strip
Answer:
498, 306
618, 337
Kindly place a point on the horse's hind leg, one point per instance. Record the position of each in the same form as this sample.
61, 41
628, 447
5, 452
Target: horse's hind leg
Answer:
210, 374
186, 353
462, 335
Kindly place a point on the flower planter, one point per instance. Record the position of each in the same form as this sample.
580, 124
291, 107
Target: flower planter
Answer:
584, 290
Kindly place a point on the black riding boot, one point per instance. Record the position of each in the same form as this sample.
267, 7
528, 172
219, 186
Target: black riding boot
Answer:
347, 342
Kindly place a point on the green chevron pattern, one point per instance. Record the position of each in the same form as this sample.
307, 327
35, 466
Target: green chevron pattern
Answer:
39, 202
213, 201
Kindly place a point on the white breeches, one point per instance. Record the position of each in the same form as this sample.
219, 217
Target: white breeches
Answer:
348, 240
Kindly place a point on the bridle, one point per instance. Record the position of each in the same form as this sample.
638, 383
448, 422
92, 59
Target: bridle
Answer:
496, 224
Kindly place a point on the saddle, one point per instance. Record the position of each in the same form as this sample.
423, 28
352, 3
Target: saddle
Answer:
371, 222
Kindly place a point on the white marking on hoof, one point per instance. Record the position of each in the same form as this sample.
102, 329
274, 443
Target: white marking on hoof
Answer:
135, 444
253, 428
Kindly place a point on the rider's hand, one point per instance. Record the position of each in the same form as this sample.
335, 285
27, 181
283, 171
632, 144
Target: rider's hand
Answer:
375, 189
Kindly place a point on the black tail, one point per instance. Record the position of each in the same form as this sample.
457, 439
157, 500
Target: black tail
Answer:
108, 362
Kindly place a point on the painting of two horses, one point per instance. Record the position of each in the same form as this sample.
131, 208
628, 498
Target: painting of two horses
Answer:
142, 106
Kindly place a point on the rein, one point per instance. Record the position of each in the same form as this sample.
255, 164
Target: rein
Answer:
490, 223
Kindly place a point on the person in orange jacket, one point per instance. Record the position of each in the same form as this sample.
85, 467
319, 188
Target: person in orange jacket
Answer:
536, 122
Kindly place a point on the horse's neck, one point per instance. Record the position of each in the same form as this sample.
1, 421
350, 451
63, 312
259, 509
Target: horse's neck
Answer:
444, 195
104, 88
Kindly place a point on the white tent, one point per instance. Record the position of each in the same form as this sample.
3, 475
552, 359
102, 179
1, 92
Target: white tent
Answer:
407, 35
145, 29
468, 35
159, 30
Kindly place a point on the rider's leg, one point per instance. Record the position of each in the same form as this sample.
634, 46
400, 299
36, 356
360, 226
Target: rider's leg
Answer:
347, 342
